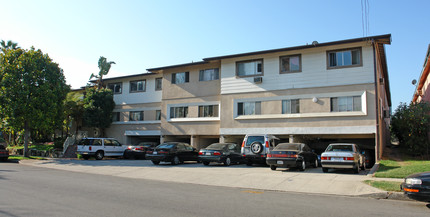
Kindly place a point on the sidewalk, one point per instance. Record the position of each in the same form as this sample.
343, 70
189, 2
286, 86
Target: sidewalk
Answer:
237, 176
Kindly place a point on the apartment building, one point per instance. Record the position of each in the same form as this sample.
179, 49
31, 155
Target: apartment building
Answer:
422, 91
317, 93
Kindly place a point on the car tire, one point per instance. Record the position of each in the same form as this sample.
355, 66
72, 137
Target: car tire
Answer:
126, 155
227, 161
302, 166
86, 157
155, 162
256, 147
175, 160
272, 167
316, 163
205, 163
99, 155
325, 170
356, 169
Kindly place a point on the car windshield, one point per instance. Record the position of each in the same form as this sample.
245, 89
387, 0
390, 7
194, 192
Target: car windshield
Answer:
252, 139
339, 148
216, 146
288, 146
166, 145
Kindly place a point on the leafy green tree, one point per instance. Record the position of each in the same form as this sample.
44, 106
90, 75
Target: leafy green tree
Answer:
8, 45
98, 107
74, 110
104, 67
411, 125
32, 91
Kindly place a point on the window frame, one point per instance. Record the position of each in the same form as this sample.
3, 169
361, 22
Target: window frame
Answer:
342, 50
290, 101
215, 111
157, 115
161, 84
113, 89
248, 61
137, 91
201, 74
186, 79
142, 117
257, 109
173, 111
352, 97
290, 71
117, 118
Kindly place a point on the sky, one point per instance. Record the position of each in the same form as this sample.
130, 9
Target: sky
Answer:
138, 35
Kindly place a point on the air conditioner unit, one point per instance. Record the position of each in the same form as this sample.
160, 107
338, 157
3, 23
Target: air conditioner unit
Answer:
258, 80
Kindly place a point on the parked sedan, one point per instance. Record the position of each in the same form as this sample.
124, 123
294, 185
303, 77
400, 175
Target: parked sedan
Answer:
288, 155
226, 153
138, 151
417, 186
343, 156
4, 153
174, 152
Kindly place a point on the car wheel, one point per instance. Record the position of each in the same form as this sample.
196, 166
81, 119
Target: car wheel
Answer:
205, 163
303, 165
99, 155
155, 162
256, 147
176, 160
356, 169
86, 157
325, 170
227, 161
272, 167
316, 163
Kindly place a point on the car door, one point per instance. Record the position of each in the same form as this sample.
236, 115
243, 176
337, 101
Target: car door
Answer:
234, 151
118, 149
191, 154
108, 147
180, 152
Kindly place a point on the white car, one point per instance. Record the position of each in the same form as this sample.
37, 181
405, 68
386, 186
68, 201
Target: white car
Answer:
100, 147
343, 156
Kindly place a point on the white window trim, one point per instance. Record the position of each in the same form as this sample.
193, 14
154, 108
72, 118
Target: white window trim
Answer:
136, 122
197, 119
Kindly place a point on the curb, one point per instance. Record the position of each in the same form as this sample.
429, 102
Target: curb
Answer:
388, 195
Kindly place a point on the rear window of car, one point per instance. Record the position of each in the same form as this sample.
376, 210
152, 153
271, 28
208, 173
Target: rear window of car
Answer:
216, 146
252, 139
288, 146
166, 145
339, 148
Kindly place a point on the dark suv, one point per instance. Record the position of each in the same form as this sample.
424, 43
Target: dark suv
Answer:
255, 147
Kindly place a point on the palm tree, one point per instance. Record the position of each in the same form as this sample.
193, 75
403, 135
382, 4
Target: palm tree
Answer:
104, 67
8, 45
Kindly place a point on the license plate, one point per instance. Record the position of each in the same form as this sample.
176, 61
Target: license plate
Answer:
154, 152
280, 162
336, 158
208, 153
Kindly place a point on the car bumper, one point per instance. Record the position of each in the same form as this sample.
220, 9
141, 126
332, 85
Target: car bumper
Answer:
286, 163
340, 165
416, 192
163, 158
255, 158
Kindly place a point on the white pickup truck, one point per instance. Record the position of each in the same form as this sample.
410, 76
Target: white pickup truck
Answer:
100, 147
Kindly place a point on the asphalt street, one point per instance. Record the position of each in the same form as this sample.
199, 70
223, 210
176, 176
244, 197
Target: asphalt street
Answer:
35, 191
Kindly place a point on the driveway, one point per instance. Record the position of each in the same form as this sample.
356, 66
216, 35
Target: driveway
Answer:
313, 180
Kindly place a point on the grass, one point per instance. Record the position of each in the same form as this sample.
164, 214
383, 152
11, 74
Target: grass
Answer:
385, 185
401, 169
43, 147
18, 157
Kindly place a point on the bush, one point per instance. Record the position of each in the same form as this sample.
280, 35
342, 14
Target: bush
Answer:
411, 125
58, 142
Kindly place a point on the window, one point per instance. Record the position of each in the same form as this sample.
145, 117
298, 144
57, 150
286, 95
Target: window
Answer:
136, 116
208, 111
158, 83
178, 112
249, 108
116, 116
344, 58
209, 75
291, 63
158, 115
346, 104
180, 78
116, 88
290, 106
249, 68
137, 86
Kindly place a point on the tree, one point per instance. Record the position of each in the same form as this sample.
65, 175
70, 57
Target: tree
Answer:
8, 45
98, 107
411, 125
104, 67
74, 110
32, 91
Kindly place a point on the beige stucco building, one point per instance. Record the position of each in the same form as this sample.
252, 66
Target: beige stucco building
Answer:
318, 94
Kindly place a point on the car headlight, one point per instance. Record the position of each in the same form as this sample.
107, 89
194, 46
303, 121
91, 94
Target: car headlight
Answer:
413, 181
